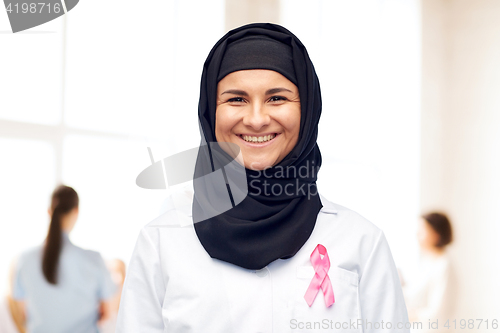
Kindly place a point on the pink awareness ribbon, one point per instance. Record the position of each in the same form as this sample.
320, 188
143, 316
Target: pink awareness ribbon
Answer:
320, 279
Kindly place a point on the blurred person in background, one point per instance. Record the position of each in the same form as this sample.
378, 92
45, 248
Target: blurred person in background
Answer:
61, 287
429, 291
117, 269
11, 313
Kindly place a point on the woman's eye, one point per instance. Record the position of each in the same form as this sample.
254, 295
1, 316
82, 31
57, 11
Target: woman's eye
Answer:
236, 100
277, 99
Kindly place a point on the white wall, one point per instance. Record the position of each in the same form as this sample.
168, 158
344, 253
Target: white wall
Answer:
434, 69
461, 130
240, 12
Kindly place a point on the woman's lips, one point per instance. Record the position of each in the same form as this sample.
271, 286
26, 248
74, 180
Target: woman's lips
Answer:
257, 141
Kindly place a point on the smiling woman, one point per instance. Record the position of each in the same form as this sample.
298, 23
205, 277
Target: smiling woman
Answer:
262, 263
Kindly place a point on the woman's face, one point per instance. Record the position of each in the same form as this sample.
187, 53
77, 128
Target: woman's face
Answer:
427, 237
259, 110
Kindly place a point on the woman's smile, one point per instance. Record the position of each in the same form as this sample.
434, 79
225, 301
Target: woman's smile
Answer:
258, 140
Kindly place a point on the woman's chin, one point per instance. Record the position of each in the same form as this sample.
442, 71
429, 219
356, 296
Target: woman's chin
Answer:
258, 165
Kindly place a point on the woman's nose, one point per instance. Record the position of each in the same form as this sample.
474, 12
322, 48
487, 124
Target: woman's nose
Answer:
257, 117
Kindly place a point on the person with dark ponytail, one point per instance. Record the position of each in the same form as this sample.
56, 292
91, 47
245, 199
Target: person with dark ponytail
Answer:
64, 204
62, 287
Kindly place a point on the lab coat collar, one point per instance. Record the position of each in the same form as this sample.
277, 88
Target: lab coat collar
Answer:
328, 207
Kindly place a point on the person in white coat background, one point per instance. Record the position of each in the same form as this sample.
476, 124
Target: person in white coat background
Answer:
430, 292
250, 245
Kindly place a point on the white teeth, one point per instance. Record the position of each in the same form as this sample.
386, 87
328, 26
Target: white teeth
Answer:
258, 139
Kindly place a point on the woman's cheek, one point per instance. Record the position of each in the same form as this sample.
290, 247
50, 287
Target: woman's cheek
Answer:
292, 121
221, 122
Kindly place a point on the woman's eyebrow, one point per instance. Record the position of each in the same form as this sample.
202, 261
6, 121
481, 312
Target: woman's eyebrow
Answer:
235, 92
277, 90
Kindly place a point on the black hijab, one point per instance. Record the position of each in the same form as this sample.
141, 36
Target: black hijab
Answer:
251, 230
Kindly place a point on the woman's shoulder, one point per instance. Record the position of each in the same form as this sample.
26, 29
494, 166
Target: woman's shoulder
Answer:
346, 217
90, 255
176, 208
75, 251
175, 212
342, 227
30, 254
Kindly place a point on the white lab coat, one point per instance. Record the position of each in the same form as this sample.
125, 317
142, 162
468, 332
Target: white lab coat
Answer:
174, 286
